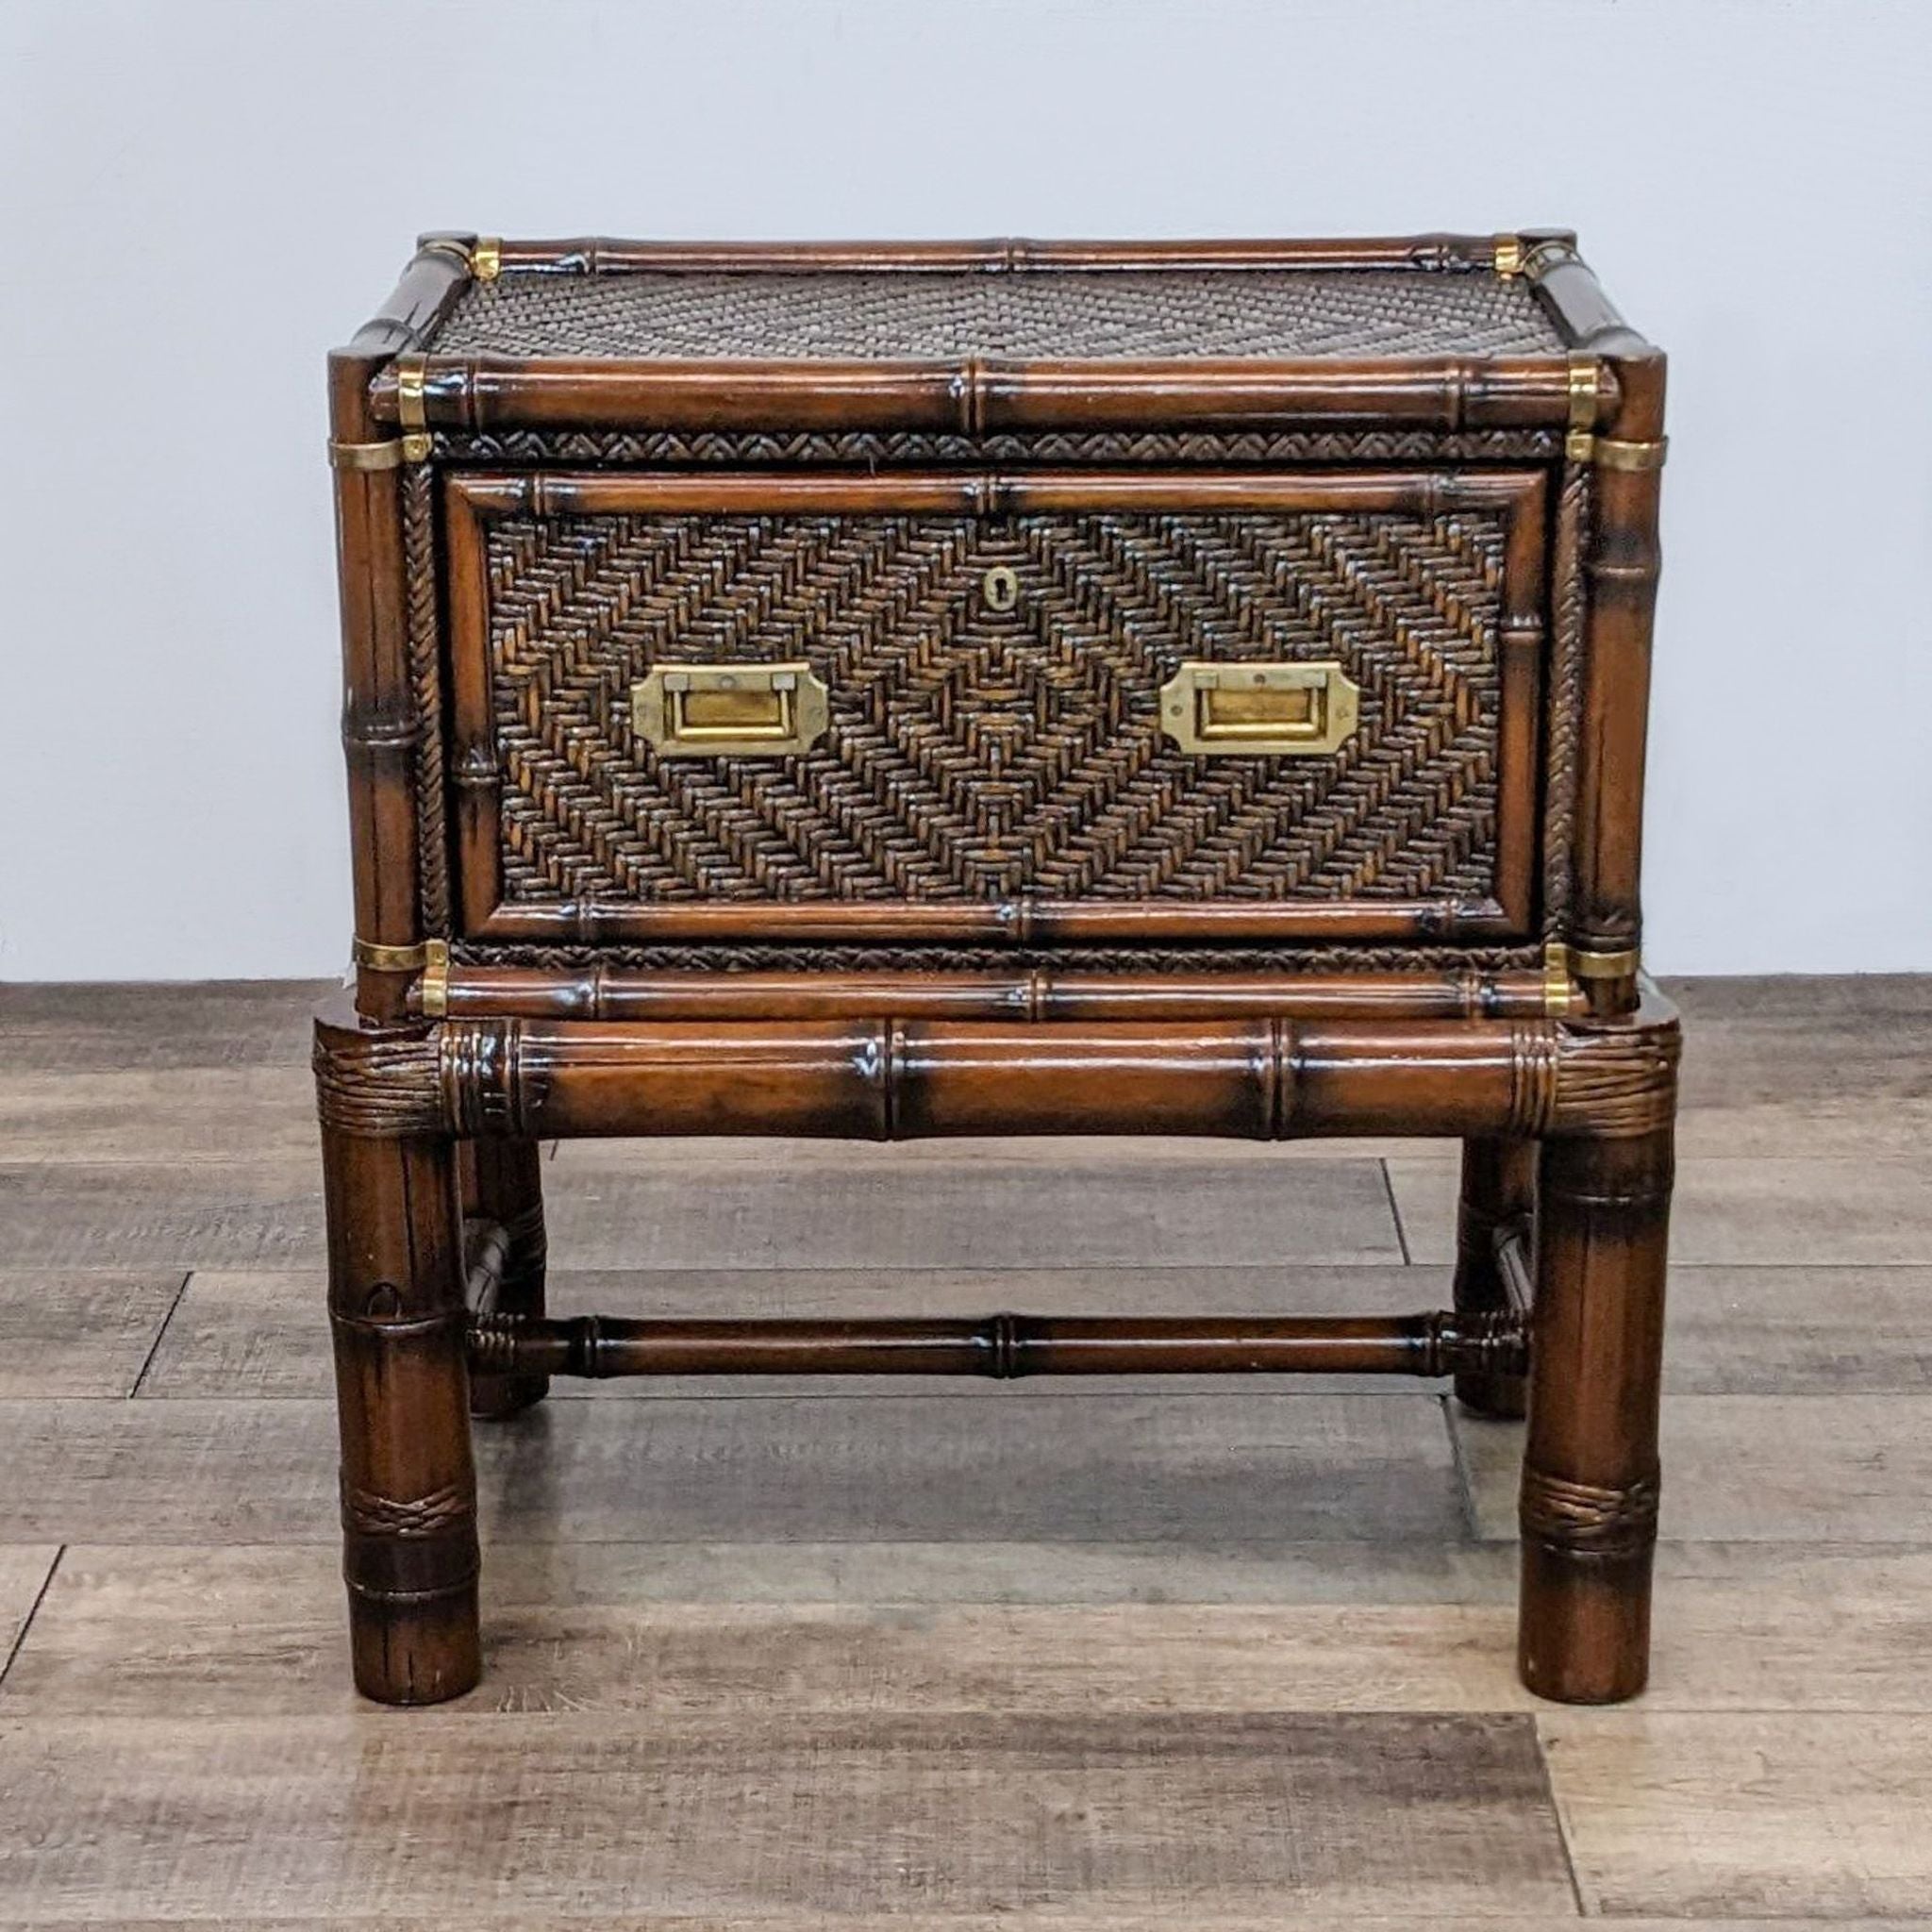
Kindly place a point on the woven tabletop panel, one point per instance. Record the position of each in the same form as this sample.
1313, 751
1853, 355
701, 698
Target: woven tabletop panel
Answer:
944, 316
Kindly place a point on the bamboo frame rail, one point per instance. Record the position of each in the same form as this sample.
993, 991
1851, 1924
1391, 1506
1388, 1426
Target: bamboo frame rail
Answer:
1004, 1347
1446, 393
979, 393
889, 1079
601, 991
590, 255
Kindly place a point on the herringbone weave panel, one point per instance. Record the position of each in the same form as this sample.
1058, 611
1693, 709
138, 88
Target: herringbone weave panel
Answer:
1262, 313
974, 756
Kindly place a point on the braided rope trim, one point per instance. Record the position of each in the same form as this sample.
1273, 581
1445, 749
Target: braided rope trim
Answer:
365, 1513
1565, 699
426, 688
865, 448
1587, 1519
1204, 961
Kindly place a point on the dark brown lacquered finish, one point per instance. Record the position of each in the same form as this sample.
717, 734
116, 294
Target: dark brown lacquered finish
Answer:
503, 1192
1498, 1200
408, 1486
601, 992
1032, 537
1004, 1347
1589, 1475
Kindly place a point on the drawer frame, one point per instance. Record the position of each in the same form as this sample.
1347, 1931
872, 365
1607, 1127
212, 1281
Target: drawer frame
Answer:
470, 499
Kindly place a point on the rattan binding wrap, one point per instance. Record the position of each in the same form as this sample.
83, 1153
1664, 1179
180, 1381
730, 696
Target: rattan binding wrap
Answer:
949, 316
975, 757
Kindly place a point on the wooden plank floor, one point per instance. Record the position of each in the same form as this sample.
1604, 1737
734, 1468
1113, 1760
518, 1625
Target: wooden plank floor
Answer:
1122, 1654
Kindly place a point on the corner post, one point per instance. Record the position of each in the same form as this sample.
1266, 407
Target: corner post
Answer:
1591, 1472
381, 734
408, 1484
1620, 562
380, 727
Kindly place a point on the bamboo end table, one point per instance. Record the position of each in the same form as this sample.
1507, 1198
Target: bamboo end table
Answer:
899, 690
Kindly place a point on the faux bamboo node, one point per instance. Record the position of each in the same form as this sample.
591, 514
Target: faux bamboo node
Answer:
902, 689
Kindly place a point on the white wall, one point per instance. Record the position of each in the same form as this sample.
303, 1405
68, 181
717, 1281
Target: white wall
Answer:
200, 196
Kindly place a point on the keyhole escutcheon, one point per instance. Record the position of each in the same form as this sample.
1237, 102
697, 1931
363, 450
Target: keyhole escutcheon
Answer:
999, 589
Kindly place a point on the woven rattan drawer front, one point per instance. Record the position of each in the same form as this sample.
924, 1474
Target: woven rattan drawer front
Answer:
994, 760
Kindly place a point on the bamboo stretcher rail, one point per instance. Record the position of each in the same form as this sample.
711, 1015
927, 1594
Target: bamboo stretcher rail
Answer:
1004, 1347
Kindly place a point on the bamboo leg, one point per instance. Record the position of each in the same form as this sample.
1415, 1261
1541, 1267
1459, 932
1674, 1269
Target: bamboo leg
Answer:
1498, 1188
408, 1486
503, 1181
1590, 1477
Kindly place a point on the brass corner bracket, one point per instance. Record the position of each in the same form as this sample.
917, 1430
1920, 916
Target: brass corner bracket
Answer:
429, 958
412, 376
1513, 255
1586, 386
1567, 968
482, 258
1609, 452
1587, 964
1582, 444
413, 444
366, 456
1561, 997
432, 990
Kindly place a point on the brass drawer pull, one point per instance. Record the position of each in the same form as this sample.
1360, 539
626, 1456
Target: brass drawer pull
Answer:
730, 710
1260, 711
